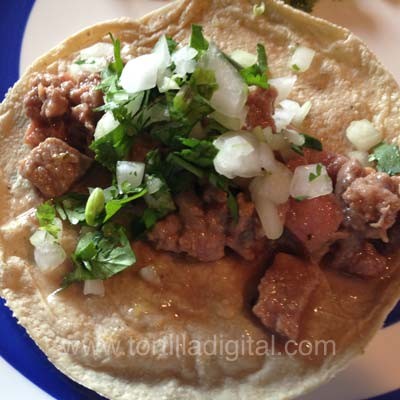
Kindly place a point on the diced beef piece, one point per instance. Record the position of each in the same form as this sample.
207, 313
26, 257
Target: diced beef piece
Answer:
356, 256
203, 234
203, 227
333, 162
261, 108
372, 204
315, 222
349, 172
61, 107
284, 293
245, 236
53, 167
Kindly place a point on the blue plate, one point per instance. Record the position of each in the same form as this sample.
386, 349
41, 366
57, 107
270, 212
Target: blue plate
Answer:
15, 345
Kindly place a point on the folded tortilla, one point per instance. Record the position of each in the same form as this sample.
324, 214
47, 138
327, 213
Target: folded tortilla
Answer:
93, 339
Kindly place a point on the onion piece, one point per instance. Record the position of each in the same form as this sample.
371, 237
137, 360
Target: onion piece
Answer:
271, 221
106, 124
244, 58
49, 256
231, 96
129, 172
184, 60
294, 137
310, 181
302, 114
233, 124
141, 73
273, 186
361, 156
302, 59
92, 59
363, 135
284, 86
285, 113
94, 287
242, 155
150, 275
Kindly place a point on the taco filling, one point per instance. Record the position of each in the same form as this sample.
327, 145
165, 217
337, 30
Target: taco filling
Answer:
202, 154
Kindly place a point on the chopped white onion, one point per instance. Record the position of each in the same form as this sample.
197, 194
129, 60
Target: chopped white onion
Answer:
231, 96
244, 58
310, 181
284, 86
141, 73
233, 124
184, 60
361, 156
166, 83
285, 113
270, 219
49, 255
363, 135
100, 49
106, 124
294, 137
92, 59
129, 172
276, 141
94, 287
153, 184
241, 154
302, 114
150, 275
273, 186
302, 59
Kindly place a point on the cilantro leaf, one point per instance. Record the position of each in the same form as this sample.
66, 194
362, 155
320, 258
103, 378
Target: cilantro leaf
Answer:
71, 207
101, 255
387, 157
117, 65
172, 44
312, 176
112, 147
257, 73
204, 81
197, 40
46, 214
310, 142
114, 205
198, 152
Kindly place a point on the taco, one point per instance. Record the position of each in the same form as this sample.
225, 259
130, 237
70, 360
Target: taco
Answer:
195, 202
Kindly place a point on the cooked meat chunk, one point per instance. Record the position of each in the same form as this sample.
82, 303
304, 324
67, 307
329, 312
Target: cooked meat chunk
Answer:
245, 236
284, 292
53, 167
356, 256
372, 204
333, 162
203, 227
61, 107
348, 173
315, 222
261, 108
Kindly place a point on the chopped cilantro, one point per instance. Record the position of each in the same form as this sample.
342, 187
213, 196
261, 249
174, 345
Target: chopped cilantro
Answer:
387, 157
46, 214
81, 62
295, 68
310, 142
71, 207
117, 65
197, 40
257, 73
112, 147
301, 198
101, 254
172, 44
312, 176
